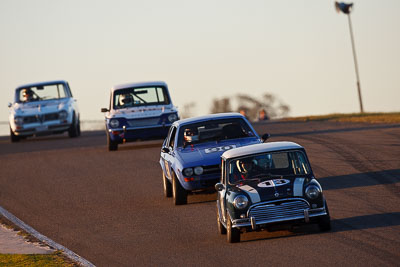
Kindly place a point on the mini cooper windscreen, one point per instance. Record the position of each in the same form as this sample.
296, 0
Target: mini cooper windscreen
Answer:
43, 92
267, 166
144, 96
215, 130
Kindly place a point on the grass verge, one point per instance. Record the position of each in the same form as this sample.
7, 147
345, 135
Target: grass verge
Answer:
393, 117
56, 258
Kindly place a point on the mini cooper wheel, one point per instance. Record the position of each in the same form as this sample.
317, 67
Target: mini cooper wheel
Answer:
167, 186
112, 145
233, 234
14, 138
325, 221
221, 227
178, 192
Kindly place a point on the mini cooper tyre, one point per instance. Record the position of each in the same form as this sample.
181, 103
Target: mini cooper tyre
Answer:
178, 192
233, 234
325, 221
167, 186
221, 227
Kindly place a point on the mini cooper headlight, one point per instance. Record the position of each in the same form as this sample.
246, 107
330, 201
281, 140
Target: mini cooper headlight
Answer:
114, 123
198, 170
240, 202
62, 115
172, 117
312, 191
188, 172
18, 120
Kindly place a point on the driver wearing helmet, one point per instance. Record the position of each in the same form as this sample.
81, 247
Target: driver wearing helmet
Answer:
190, 135
27, 95
125, 100
245, 168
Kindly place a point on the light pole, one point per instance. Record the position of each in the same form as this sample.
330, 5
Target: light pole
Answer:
346, 9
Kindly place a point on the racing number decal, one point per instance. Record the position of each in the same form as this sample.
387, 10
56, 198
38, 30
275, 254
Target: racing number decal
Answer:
219, 149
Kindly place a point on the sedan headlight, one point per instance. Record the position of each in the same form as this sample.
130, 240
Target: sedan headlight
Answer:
18, 120
188, 172
240, 202
114, 123
172, 117
313, 191
198, 170
62, 115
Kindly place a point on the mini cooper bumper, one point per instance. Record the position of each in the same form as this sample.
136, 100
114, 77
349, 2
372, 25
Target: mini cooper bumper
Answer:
261, 215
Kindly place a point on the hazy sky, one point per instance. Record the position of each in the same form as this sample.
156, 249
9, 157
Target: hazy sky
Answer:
298, 50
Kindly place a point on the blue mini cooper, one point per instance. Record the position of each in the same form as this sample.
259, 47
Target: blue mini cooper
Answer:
191, 153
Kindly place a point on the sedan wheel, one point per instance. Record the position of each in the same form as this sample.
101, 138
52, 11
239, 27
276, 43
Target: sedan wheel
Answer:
178, 192
167, 186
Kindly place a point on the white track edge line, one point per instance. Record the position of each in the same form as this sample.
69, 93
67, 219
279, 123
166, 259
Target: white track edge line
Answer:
70, 254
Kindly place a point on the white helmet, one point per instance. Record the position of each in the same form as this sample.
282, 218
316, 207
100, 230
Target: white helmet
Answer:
125, 100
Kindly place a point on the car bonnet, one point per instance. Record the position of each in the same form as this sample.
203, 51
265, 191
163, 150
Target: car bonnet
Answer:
271, 189
210, 153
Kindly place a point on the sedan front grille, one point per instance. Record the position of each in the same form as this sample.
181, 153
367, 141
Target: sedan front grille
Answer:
50, 117
211, 169
143, 122
278, 211
30, 119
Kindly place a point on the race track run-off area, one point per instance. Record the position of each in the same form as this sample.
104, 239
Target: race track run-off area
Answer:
109, 207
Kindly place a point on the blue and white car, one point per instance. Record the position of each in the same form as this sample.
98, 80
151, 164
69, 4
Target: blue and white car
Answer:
43, 108
191, 153
138, 111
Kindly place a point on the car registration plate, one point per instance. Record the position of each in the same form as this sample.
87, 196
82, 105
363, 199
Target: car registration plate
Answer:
42, 128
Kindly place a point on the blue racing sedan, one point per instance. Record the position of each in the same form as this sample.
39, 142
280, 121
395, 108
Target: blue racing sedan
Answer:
191, 153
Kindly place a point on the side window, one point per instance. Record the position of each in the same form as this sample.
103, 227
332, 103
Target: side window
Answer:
171, 140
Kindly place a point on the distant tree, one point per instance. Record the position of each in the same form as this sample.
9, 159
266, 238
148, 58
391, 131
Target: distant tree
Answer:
221, 105
253, 108
187, 110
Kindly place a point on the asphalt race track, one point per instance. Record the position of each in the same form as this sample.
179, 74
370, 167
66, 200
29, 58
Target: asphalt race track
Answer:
109, 208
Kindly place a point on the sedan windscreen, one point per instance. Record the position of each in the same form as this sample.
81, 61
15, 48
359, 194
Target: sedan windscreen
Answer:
213, 130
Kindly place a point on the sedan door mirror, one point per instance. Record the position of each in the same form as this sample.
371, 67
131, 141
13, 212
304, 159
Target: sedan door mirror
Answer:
165, 150
219, 187
9, 105
104, 110
265, 136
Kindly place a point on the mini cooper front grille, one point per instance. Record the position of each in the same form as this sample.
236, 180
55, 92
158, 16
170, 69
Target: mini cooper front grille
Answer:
276, 211
211, 169
143, 122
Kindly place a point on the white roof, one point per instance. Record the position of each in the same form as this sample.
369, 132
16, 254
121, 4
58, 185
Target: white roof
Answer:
138, 84
259, 148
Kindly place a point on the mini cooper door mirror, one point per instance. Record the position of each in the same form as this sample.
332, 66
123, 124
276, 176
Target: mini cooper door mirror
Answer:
219, 187
165, 150
265, 136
